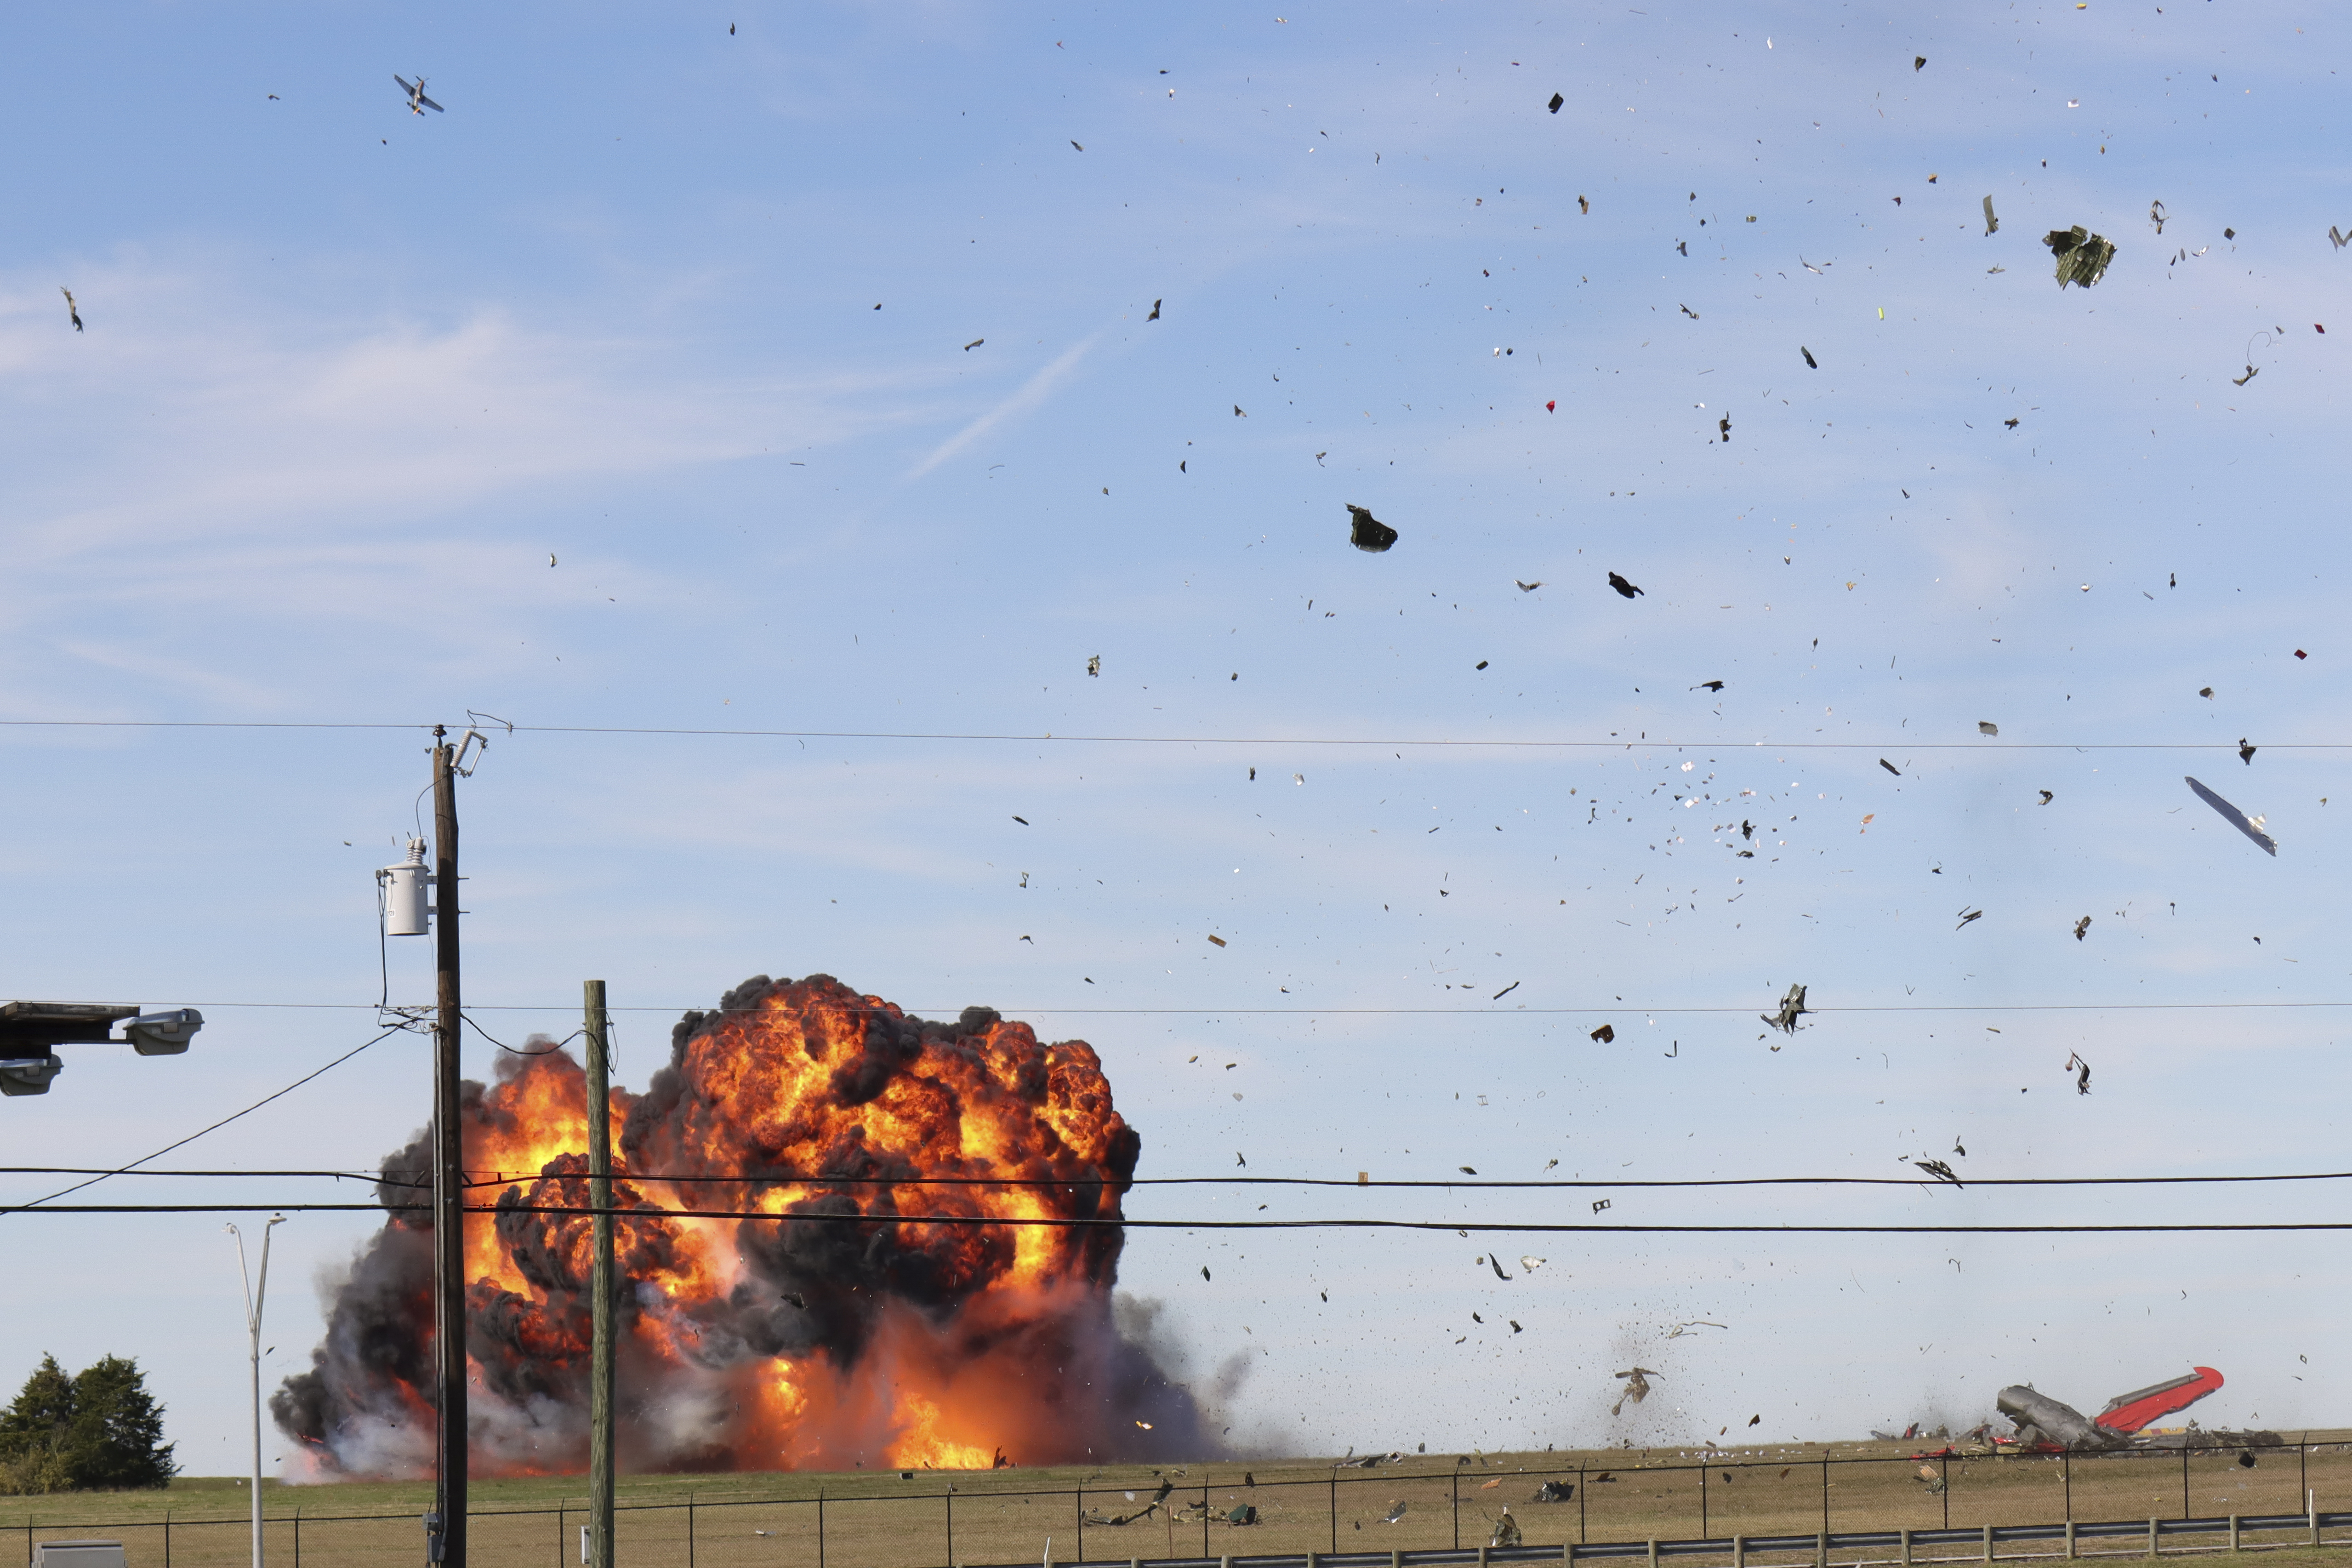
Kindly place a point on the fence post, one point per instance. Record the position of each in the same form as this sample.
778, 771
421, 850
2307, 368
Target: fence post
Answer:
1987, 1543
689, 1530
167, 1541
1825, 1506
951, 1527
1483, 1548
298, 1536
1702, 1499
2070, 1542
1907, 1548
1078, 1505
2233, 1532
1653, 1554
1947, 1463
1580, 1496
1739, 1552
1457, 1511
1821, 1550
820, 1527
558, 1532
2066, 1469
1335, 1513
1204, 1521
2152, 1548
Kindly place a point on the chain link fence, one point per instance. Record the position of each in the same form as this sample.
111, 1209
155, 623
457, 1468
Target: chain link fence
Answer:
1721, 1507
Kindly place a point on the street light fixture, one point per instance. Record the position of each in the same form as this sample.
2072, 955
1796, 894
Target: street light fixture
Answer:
30, 1032
254, 1290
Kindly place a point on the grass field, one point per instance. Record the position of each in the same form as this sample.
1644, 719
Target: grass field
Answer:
871, 1520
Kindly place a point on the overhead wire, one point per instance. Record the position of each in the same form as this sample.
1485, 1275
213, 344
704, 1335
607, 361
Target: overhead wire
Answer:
1614, 742
184, 1142
972, 1221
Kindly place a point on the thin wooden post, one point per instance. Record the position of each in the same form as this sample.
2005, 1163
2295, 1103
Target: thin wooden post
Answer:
449, 1465
558, 1532
1335, 1512
167, 1540
2233, 1532
1204, 1515
2152, 1549
2184, 1480
952, 1528
1947, 1493
820, 1527
601, 1285
1826, 1501
689, 1530
1702, 1499
1458, 1508
1987, 1543
1907, 1548
1739, 1552
2066, 1470
1821, 1550
1653, 1554
1078, 1502
1580, 1485
2070, 1540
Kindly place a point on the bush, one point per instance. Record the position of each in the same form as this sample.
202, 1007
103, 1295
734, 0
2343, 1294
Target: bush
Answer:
98, 1428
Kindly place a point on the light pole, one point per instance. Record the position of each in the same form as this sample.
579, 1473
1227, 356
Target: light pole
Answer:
254, 1290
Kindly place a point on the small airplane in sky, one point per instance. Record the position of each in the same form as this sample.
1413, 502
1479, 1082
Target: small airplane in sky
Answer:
416, 96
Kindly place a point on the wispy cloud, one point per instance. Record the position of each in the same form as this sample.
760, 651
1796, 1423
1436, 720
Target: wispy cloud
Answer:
1032, 393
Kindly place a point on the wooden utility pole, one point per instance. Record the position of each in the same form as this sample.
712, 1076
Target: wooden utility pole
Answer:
448, 1171
600, 1358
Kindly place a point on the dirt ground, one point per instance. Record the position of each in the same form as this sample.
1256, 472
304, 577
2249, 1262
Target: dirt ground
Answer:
936, 1518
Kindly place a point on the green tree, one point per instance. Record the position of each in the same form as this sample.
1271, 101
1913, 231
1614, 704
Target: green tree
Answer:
117, 1437
98, 1428
34, 1433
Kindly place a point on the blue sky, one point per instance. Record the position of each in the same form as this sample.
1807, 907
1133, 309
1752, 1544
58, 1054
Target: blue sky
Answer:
351, 377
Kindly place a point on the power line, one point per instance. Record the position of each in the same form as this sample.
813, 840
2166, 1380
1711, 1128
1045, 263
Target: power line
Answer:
193, 1136
1614, 1007
969, 1221
1610, 744
1479, 1183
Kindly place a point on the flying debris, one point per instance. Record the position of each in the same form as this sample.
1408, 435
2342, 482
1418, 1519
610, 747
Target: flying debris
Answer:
1707, 685
1623, 586
72, 309
1093, 665
1396, 1512
2082, 1082
1940, 1170
1155, 311
2241, 380
1679, 1330
2083, 257
2251, 827
1556, 101
1986, 727
2047, 797
1605, 1034
1367, 532
1810, 363
1637, 1388
1890, 767
1468, 1170
973, 345
2081, 926
1532, 1264
1528, 587
2156, 215
1968, 915
1556, 1491
1074, 144
416, 96
2245, 752
1918, 62
1992, 224
1792, 1008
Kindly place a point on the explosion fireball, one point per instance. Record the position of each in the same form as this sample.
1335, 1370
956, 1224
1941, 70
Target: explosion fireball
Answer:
832, 1335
